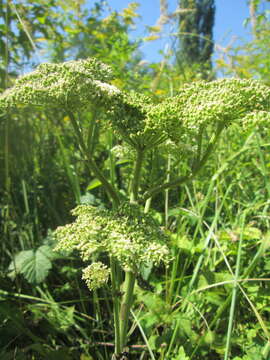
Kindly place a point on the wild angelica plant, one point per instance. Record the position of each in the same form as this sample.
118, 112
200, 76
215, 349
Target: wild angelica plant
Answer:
187, 125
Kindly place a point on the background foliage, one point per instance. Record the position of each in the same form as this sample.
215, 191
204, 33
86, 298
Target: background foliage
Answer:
218, 226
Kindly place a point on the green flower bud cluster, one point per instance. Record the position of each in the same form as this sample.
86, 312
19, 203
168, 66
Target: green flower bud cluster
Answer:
127, 234
257, 117
123, 152
128, 117
71, 85
204, 104
180, 118
136, 118
95, 275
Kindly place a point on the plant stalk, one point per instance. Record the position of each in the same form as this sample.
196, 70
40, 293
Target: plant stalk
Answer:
125, 306
116, 305
136, 176
129, 283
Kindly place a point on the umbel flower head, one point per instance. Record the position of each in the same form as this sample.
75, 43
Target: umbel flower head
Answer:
128, 116
127, 234
213, 105
71, 85
197, 107
95, 275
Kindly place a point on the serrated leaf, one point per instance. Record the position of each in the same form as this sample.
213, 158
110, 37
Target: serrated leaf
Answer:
16, 265
33, 265
186, 328
48, 252
36, 269
181, 354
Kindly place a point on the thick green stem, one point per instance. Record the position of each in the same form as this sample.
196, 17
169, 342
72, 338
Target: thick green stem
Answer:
116, 305
112, 194
199, 146
136, 176
125, 306
147, 205
112, 159
128, 289
92, 135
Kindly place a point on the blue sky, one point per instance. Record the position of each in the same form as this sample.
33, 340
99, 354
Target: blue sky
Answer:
230, 16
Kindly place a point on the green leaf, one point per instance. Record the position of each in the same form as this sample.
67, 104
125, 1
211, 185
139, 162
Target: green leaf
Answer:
93, 184
16, 265
181, 355
86, 357
61, 318
34, 265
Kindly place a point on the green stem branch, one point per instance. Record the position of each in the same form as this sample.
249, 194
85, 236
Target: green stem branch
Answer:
111, 192
136, 176
183, 179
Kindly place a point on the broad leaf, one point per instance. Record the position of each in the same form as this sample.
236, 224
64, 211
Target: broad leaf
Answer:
34, 265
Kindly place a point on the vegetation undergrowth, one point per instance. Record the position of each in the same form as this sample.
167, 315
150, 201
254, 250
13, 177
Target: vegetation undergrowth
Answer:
124, 233
160, 202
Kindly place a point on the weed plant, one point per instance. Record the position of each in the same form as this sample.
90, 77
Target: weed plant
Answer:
122, 238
